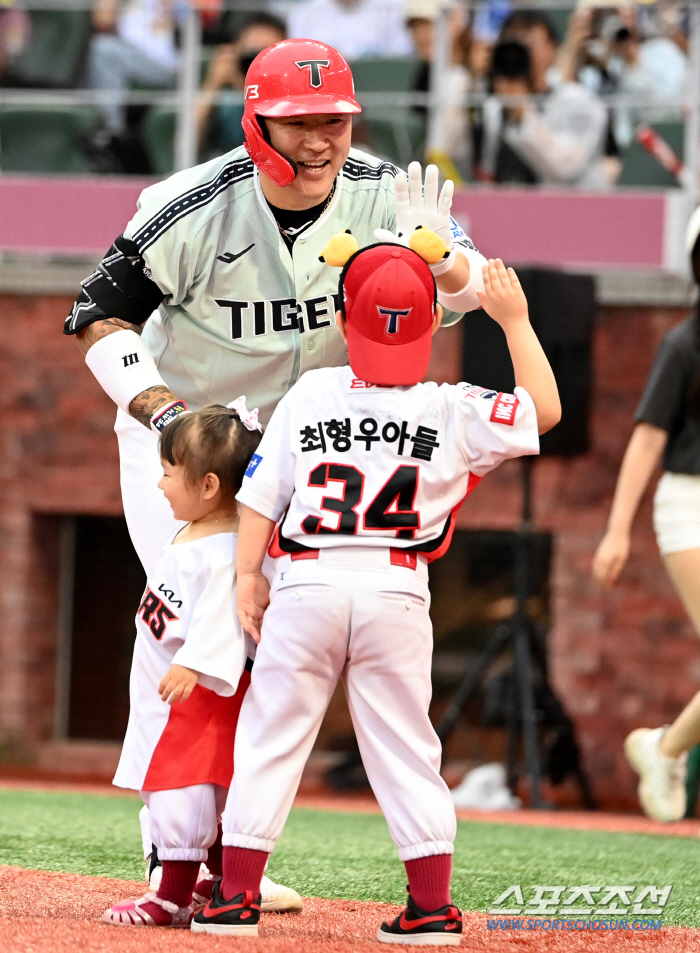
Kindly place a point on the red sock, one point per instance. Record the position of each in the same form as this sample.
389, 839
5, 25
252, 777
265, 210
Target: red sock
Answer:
429, 881
179, 878
214, 855
243, 870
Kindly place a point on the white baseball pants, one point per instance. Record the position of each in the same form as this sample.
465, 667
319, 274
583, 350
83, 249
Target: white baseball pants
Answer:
148, 515
183, 821
349, 614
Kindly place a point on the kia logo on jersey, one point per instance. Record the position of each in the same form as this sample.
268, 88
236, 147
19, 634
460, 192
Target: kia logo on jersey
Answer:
314, 67
393, 315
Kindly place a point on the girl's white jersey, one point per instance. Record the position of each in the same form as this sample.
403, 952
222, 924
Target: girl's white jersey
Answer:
232, 289
187, 617
353, 463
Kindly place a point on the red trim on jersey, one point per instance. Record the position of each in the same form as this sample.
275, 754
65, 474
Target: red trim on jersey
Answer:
196, 746
472, 484
274, 550
399, 557
306, 554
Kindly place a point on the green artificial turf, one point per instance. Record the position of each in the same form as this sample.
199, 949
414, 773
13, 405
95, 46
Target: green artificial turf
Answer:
351, 855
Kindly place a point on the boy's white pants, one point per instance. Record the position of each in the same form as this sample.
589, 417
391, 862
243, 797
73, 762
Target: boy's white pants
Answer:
350, 614
183, 821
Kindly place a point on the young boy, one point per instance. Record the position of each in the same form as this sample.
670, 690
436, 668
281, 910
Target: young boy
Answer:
366, 469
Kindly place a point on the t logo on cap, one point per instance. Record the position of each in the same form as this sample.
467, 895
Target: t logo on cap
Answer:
314, 67
392, 325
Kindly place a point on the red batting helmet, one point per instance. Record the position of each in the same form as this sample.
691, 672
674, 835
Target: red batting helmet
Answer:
292, 78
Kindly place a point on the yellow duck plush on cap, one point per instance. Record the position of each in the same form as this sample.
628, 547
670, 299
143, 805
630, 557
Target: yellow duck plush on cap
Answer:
428, 245
339, 249
424, 242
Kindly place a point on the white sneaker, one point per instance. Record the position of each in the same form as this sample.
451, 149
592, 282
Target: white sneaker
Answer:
661, 779
275, 897
278, 899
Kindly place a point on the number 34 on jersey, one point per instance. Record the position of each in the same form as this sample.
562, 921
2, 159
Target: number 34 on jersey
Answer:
345, 465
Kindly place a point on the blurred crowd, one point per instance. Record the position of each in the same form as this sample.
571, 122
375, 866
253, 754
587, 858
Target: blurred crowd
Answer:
522, 95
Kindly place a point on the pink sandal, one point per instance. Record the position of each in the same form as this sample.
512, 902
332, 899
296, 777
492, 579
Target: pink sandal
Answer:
149, 911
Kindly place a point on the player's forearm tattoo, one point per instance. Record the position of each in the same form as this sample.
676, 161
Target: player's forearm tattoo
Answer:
99, 329
144, 406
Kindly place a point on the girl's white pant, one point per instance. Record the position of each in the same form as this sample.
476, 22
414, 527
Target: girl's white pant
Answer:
148, 515
183, 821
349, 614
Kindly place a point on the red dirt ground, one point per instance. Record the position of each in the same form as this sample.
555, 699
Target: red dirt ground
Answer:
60, 913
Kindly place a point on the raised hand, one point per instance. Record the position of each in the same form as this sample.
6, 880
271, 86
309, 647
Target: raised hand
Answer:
503, 297
420, 205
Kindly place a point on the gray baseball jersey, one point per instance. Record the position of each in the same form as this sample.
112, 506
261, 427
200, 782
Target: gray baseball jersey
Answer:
242, 315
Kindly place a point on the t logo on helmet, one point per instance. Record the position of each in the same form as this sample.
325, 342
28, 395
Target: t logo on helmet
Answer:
394, 316
314, 67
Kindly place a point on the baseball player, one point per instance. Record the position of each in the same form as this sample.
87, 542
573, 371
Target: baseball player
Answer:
366, 469
216, 284
191, 665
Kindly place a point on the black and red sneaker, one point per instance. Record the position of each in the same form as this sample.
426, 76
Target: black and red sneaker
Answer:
236, 917
416, 927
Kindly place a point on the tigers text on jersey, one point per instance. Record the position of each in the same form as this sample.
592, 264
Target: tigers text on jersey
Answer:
187, 617
377, 466
233, 290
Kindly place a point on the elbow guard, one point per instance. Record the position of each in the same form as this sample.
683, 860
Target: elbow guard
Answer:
120, 288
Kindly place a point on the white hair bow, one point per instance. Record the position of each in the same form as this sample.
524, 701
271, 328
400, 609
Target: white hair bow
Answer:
249, 418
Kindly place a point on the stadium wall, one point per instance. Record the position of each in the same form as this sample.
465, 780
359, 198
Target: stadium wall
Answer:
619, 659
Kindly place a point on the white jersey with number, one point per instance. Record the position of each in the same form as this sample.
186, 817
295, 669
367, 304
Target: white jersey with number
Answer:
352, 462
187, 617
241, 314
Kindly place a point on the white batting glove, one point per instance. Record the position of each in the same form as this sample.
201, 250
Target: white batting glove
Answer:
419, 205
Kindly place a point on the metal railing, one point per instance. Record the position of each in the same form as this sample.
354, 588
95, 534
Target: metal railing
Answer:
186, 96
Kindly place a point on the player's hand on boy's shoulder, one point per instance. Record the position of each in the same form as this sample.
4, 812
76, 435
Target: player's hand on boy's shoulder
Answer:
178, 684
252, 598
503, 297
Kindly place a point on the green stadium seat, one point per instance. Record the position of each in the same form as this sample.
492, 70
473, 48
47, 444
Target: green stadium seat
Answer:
560, 18
158, 138
385, 74
45, 140
396, 132
640, 168
55, 55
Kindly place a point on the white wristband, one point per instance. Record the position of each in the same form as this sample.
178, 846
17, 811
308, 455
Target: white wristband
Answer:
123, 367
445, 265
467, 299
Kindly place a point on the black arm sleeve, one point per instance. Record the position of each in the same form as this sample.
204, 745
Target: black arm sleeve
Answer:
120, 288
664, 397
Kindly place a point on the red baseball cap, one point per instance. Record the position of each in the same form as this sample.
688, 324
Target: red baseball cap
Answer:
388, 299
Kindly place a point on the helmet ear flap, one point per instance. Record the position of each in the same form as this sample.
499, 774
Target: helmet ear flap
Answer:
262, 123
278, 168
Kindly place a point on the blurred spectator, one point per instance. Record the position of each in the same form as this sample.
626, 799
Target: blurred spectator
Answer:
559, 139
609, 54
420, 20
653, 70
537, 32
220, 127
354, 27
15, 27
134, 43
